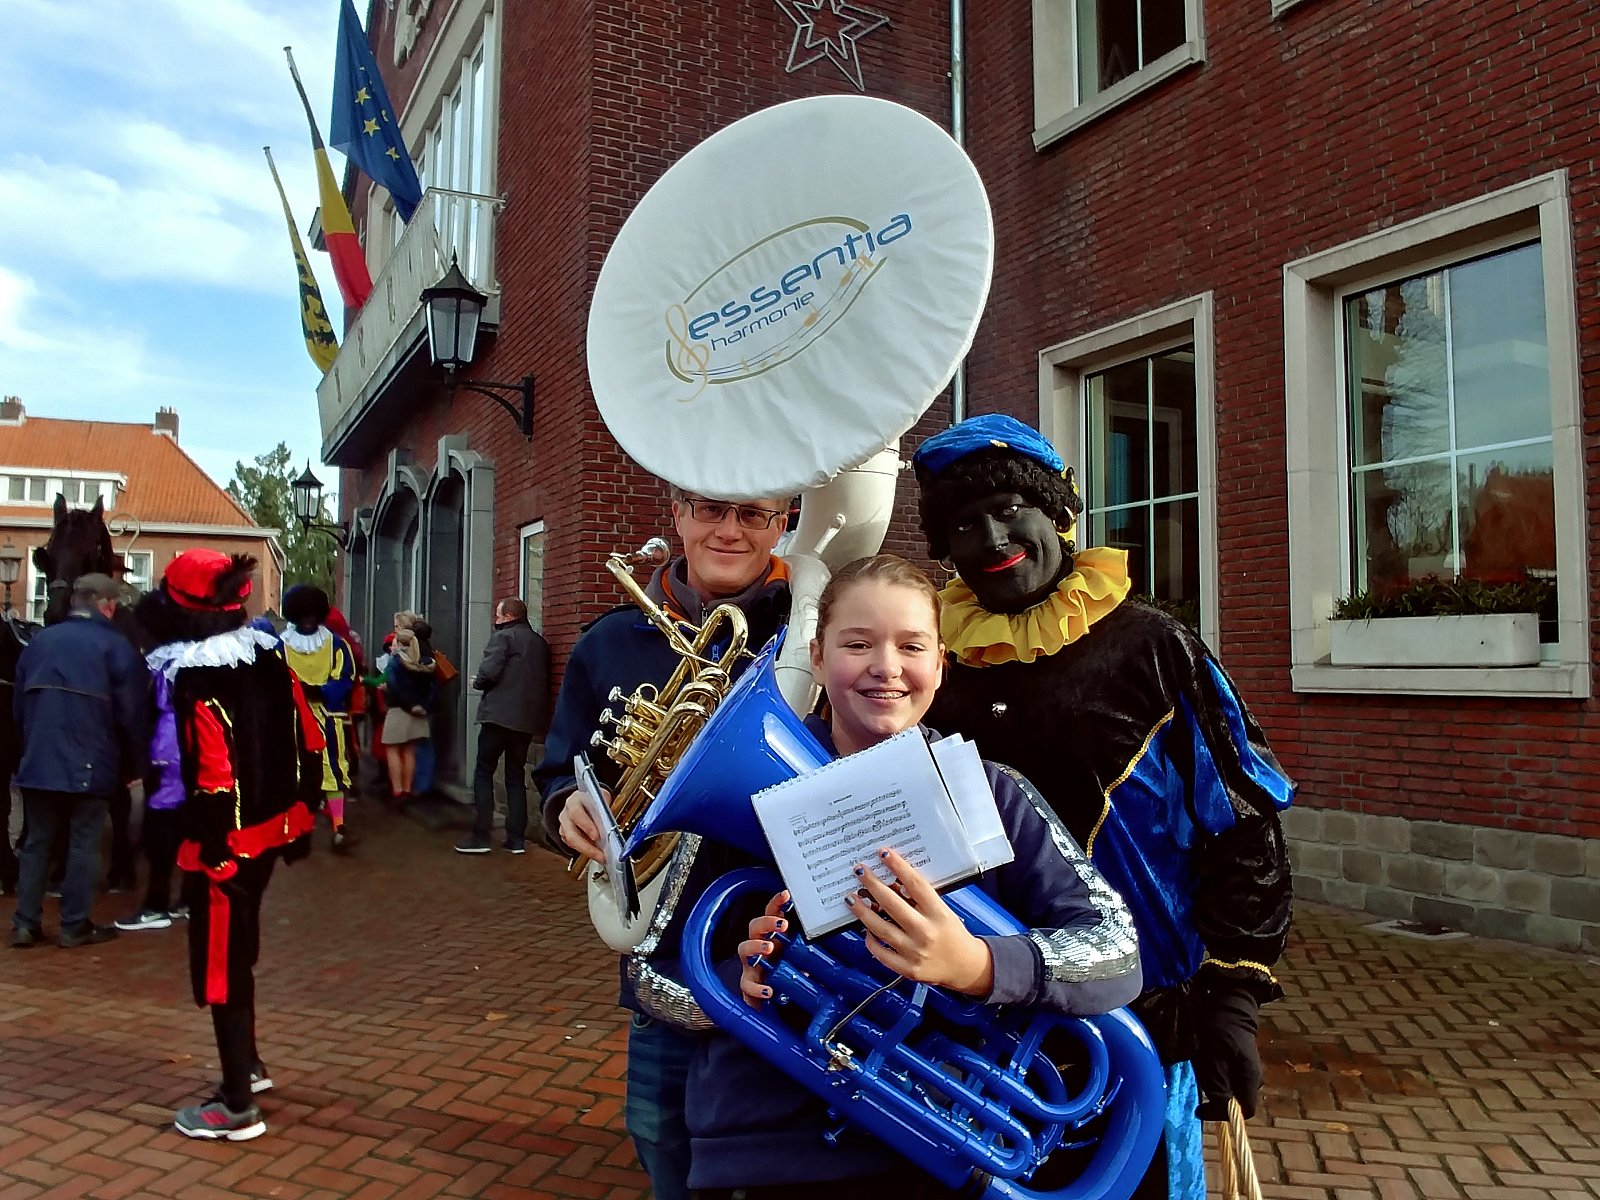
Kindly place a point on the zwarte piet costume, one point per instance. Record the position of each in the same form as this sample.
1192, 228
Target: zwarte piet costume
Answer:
250, 752
325, 665
1136, 736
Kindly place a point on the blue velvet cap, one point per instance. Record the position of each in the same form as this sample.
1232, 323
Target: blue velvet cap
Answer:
950, 446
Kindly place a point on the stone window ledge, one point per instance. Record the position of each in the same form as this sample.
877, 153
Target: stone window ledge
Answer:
1562, 681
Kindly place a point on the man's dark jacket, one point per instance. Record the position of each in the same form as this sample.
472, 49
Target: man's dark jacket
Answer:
82, 705
515, 679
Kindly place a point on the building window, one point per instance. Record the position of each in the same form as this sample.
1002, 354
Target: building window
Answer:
1142, 476
39, 590
1091, 55
1130, 406
1432, 425
1451, 457
532, 573
456, 154
137, 575
77, 491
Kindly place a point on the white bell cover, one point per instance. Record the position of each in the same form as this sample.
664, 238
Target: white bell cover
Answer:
790, 296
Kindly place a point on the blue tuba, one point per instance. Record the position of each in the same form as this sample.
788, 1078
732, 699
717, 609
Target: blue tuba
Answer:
976, 1096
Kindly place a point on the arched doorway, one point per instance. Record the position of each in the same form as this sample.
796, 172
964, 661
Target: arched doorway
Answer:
443, 605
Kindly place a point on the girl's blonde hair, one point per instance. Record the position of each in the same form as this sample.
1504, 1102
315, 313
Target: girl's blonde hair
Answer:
881, 568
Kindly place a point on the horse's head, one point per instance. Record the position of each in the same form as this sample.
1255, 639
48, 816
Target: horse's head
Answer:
79, 544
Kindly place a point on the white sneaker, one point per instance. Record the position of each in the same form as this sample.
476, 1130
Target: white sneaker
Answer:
145, 918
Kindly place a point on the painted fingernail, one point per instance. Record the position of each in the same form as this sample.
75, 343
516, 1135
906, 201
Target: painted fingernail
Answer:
850, 899
861, 870
780, 926
767, 992
883, 853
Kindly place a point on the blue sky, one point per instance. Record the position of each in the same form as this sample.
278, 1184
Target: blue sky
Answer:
144, 259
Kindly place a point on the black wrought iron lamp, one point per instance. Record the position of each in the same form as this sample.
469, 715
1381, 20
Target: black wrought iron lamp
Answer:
454, 310
10, 569
308, 509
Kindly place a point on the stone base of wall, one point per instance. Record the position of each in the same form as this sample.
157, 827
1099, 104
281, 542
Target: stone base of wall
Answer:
1538, 888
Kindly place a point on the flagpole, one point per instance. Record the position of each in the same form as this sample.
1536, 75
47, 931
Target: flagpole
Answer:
294, 71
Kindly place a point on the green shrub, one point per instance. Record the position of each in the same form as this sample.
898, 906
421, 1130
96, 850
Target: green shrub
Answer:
1432, 596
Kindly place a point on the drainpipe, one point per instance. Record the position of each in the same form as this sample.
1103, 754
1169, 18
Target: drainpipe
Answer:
958, 131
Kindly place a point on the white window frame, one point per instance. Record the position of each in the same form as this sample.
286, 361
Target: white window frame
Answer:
149, 570
1064, 411
32, 597
532, 529
95, 483
1056, 108
1314, 290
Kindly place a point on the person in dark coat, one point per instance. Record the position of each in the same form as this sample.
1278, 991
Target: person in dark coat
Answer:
1137, 738
515, 681
81, 704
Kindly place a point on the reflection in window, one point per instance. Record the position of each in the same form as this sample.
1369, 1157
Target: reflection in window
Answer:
1117, 38
137, 575
1449, 415
1142, 476
533, 575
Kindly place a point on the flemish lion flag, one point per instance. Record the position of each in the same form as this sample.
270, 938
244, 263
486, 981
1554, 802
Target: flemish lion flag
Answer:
338, 230
320, 342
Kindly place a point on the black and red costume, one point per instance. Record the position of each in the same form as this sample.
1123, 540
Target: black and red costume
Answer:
250, 753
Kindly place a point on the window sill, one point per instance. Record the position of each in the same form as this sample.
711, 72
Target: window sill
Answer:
1164, 68
1558, 680
1279, 7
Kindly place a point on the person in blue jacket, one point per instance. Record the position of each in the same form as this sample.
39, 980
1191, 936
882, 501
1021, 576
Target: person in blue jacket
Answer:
727, 559
757, 1134
1139, 741
81, 703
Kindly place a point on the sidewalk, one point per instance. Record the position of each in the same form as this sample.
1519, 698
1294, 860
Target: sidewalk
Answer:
445, 1025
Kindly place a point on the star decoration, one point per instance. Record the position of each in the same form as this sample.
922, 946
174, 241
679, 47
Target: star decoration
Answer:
393, 153
842, 25
370, 127
363, 96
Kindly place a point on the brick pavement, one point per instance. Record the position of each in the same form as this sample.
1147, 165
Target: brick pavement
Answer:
442, 1025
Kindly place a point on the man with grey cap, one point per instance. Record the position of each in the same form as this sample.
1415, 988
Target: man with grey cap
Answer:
81, 703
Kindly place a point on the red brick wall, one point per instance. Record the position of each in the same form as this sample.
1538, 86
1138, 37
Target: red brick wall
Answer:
1297, 135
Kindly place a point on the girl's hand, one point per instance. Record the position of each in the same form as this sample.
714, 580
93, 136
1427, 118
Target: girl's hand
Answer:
913, 932
753, 979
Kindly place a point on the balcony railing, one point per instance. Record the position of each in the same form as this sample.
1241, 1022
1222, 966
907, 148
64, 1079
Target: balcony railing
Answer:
447, 223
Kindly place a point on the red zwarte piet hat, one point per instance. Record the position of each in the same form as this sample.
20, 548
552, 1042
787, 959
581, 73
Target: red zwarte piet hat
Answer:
209, 580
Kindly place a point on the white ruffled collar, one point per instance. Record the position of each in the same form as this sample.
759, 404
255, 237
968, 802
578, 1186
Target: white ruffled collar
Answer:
230, 649
306, 643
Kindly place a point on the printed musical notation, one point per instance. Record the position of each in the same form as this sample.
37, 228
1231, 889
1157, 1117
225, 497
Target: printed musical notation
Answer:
821, 824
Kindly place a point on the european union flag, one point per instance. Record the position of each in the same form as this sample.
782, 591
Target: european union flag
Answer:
363, 125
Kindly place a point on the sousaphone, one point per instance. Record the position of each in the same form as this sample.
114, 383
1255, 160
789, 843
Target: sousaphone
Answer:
783, 304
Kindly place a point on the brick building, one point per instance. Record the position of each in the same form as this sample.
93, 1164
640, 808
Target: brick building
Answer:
1305, 289
158, 502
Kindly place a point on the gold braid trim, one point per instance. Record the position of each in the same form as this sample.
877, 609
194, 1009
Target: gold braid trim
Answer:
1105, 809
1244, 964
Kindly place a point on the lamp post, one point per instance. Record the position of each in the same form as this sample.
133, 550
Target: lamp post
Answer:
454, 309
308, 507
10, 569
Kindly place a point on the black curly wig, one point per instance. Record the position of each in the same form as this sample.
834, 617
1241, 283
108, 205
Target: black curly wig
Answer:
983, 473
163, 620
305, 600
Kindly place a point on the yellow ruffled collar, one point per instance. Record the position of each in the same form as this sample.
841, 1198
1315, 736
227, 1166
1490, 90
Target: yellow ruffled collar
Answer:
980, 638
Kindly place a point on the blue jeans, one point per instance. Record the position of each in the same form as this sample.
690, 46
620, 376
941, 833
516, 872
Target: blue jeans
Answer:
658, 1073
85, 817
496, 742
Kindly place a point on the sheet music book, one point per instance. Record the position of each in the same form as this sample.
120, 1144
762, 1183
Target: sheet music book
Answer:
930, 802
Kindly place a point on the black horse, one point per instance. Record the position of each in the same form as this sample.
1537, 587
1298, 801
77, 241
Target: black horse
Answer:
79, 544
14, 635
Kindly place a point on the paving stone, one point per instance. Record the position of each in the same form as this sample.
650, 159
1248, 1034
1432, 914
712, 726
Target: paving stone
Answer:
443, 1025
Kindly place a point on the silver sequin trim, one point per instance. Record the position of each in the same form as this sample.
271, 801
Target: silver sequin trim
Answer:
658, 995
1111, 948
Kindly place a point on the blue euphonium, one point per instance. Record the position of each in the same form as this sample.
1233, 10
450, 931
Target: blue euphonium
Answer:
977, 1096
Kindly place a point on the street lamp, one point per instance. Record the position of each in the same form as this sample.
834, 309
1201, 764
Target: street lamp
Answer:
10, 569
308, 507
454, 309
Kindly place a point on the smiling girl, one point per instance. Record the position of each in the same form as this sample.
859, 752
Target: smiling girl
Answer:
757, 1136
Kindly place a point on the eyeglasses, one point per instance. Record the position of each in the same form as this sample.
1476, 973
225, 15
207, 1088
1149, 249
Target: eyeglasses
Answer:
714, 512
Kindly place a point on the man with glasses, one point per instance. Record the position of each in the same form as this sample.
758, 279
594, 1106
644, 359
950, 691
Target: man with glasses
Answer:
727, 559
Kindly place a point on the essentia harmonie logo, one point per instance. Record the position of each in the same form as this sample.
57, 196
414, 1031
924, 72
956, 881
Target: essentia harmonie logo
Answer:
774, 299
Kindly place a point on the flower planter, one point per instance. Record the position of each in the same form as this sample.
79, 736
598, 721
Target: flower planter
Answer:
1476, 640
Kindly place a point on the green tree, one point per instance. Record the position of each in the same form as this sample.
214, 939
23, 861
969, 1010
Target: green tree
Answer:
267, 494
